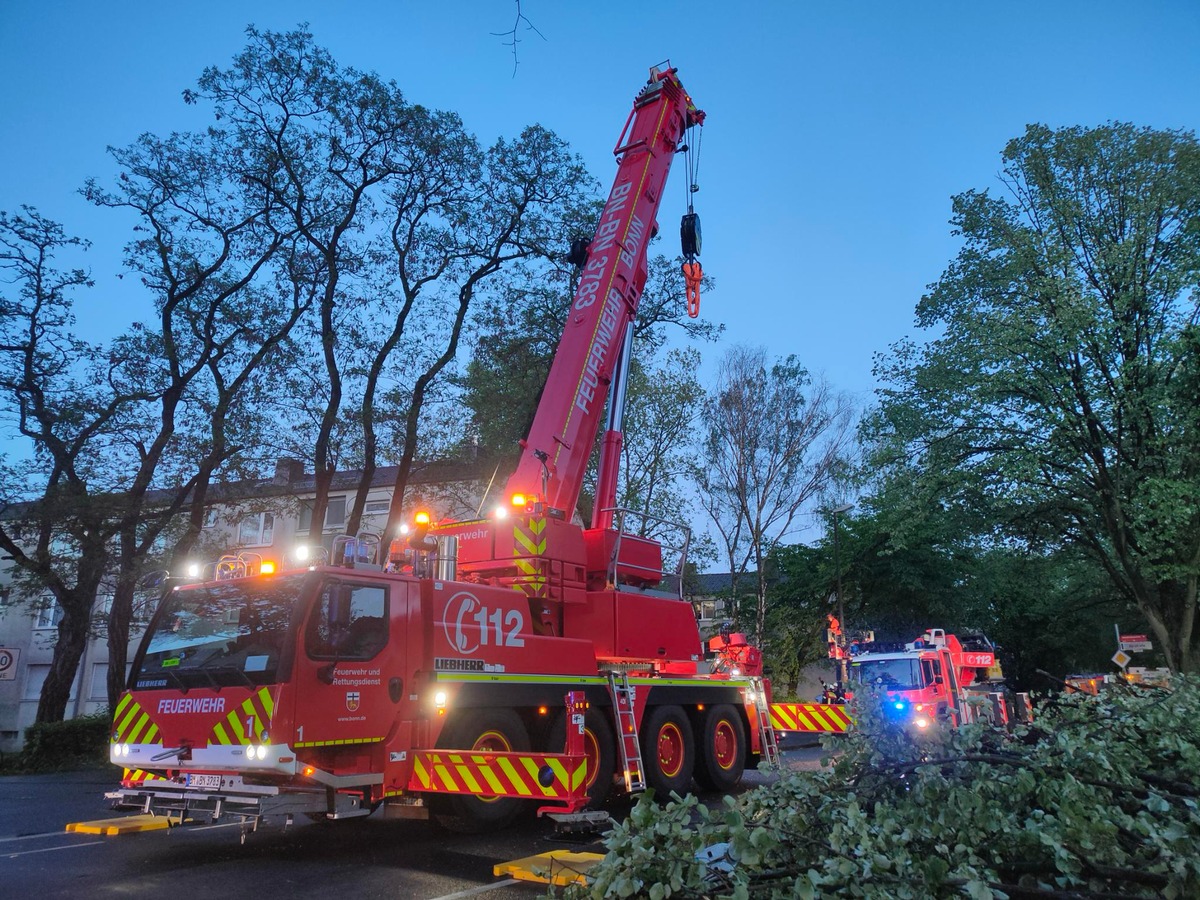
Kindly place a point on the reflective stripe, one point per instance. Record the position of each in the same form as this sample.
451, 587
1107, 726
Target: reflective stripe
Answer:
816, 718
366, 740
497, 774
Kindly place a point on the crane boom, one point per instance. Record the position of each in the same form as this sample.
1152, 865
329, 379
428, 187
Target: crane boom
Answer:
555, 454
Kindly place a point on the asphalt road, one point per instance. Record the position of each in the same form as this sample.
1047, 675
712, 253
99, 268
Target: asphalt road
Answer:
360, 858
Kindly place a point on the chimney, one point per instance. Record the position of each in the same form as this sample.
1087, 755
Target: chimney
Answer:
287, 470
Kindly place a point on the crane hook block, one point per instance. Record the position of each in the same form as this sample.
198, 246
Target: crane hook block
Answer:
692, 275
578, 255
689, 235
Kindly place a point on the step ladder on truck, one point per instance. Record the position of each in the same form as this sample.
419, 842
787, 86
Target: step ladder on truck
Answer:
622, 694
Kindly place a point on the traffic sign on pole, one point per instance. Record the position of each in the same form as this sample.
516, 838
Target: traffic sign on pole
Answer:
1134, 643
8, 663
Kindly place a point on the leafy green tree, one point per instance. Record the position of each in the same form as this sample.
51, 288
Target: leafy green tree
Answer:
1058, 391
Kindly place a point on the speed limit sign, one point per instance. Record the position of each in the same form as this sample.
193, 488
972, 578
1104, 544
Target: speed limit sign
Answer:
8, 664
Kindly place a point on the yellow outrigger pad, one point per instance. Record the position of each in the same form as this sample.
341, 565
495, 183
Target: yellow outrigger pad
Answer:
124, 825
560, 867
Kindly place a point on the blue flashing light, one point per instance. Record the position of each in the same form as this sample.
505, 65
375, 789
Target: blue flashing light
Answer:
896, 709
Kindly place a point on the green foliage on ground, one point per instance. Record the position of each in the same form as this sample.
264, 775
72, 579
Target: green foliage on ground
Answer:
80, 743
1098, 798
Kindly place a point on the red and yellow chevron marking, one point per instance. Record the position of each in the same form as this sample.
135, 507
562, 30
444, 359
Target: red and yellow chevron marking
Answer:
827, 718
245, 724
131, 723
498, 774
136, 777
530, 541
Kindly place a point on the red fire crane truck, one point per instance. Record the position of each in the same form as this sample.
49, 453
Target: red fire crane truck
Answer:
437, 677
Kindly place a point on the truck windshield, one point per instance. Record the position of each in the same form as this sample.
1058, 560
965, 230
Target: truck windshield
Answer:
891, 674
221, 634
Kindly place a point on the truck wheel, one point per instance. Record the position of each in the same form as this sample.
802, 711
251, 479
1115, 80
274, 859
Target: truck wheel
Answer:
498, 730
722, 757
668, 750
600, 748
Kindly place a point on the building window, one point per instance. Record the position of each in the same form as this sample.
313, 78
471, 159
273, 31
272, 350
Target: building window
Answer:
375, 507
144, 607
256, 531
99, 689
35, 677
49, 614
707, 610
335, 515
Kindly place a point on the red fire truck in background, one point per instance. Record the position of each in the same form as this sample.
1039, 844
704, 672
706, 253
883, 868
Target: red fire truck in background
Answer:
936, 677
434, 676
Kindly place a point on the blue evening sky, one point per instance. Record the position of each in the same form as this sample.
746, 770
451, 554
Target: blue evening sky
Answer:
837, 132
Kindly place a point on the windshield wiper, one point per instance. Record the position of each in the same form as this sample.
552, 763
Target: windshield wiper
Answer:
246, 678
170, 672
225, 667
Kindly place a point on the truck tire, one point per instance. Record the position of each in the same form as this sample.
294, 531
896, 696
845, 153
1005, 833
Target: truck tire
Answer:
721, 738
498, 730
668, 750
600, 747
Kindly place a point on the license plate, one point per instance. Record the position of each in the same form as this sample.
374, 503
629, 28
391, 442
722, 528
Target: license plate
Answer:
204, 781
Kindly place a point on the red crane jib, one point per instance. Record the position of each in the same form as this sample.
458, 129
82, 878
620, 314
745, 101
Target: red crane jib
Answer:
555, 454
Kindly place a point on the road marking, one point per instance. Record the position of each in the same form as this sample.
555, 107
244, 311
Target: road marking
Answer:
31, 837
474, 892
51, 849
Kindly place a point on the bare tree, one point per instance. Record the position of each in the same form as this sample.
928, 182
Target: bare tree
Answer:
50, 527
774, 440
513, 34
207, 240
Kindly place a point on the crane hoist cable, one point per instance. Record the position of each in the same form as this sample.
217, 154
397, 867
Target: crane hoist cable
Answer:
689, 229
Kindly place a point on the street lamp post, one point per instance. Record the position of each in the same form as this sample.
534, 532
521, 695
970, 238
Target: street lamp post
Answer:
841, 606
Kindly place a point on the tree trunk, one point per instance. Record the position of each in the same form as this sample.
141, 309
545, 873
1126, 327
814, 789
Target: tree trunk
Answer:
119, 619
354, 519
1171, 614
323, 478
64, 666
760, 605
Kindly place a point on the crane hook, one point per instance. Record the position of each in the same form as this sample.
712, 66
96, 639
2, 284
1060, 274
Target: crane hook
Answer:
693, 273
